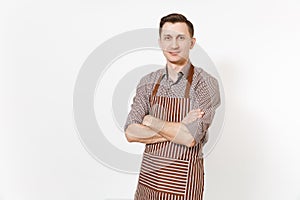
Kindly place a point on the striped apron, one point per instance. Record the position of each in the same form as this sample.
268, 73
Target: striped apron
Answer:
171, 171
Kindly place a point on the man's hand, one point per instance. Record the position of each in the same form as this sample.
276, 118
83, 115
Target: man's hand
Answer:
192, 116
155, 123
147, 121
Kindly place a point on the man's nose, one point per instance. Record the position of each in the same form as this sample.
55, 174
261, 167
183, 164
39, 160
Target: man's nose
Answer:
174, 44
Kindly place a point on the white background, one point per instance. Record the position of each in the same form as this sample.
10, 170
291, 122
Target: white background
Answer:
254, 44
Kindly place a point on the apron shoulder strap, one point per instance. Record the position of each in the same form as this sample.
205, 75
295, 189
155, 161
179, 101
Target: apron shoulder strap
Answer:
154, 91
189, 82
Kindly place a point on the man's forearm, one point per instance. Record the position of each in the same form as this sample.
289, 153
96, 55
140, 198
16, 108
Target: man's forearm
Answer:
173, 131
143, 134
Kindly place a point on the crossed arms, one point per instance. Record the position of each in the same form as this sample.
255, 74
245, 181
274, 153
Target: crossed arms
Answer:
153, 130
144, 128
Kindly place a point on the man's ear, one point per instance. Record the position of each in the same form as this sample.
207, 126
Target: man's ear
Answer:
193, 42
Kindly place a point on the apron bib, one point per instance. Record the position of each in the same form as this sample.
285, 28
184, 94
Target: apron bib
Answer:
171, 171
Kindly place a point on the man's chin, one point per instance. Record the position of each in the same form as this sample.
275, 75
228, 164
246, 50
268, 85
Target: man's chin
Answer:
177, 61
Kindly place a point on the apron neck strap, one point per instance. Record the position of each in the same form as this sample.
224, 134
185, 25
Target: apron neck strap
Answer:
188, 84
154, 91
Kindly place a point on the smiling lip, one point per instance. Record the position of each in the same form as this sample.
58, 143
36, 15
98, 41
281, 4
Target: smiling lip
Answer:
174, 53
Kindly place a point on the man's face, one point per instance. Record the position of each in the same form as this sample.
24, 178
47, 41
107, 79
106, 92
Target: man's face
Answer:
176, 42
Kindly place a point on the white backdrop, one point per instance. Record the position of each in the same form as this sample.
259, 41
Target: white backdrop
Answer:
254, 44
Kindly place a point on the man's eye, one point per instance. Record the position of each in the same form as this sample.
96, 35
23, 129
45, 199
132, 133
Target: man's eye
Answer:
167, 38
181, 37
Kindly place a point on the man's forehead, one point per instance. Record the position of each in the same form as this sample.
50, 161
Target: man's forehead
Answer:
172, 32
174, 29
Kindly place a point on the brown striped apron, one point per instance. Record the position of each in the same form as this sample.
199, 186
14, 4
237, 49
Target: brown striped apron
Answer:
171, 171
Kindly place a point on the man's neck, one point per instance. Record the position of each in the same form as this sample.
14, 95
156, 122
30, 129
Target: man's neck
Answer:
174, 69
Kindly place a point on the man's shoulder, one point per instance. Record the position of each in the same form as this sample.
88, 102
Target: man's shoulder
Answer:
204, 79
152, 77
201, 74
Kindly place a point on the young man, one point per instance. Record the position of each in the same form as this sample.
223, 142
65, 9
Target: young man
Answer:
171, 112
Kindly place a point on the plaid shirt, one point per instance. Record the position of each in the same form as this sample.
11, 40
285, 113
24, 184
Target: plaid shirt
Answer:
204, 95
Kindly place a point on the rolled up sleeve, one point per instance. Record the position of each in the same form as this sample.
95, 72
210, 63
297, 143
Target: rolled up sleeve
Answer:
207, 98
141, 104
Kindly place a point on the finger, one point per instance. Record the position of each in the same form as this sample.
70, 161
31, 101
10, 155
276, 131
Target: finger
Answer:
197, 112
201, 114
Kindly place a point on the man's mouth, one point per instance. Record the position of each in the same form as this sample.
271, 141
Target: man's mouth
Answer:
174, 53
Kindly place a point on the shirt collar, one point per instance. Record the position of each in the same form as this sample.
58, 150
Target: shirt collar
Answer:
185, 70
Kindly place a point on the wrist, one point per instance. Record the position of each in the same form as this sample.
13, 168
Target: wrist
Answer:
157, 124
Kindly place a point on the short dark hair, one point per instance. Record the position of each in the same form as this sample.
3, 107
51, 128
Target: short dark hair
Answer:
175, 17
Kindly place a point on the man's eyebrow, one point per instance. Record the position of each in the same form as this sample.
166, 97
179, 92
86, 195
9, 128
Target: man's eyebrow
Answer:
167, 34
